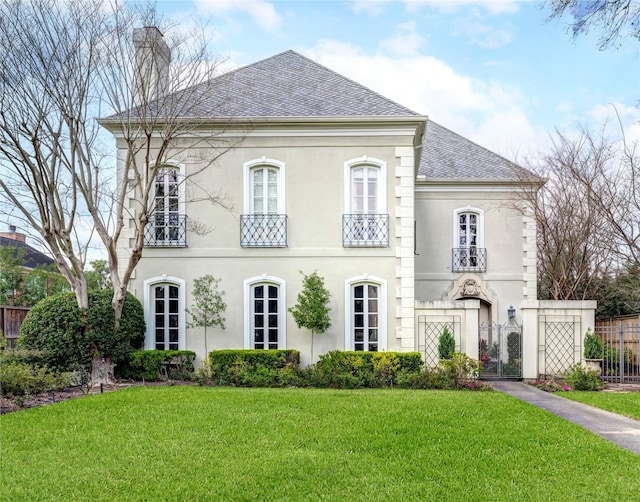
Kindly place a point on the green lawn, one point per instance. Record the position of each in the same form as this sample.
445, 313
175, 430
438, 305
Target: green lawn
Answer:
623, 403
199, 443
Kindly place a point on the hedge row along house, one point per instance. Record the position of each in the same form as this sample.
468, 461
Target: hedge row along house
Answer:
412, 226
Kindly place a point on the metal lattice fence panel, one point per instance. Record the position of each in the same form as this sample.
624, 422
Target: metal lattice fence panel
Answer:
430, 330
560, 344
621, 357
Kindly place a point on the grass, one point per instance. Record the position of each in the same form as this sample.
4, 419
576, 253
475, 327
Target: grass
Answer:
199, 443
623, 403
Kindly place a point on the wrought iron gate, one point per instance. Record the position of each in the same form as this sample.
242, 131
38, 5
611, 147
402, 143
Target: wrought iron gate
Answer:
500, 350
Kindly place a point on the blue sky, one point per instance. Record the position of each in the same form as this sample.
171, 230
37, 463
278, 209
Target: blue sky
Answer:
494, 71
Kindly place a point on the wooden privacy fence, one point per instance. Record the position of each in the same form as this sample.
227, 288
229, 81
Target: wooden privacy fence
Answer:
10, 321
621, 358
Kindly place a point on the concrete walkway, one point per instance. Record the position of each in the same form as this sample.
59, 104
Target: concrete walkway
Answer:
620, 430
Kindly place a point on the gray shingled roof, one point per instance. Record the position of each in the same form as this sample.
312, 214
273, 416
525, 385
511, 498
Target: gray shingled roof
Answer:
448, 156
290, 85
32, 257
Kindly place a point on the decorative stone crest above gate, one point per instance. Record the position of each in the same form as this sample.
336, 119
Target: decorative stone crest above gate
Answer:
470, 286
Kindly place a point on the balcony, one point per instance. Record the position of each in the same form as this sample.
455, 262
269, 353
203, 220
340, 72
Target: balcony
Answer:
166, 230
470, 259
263, 230
365, 230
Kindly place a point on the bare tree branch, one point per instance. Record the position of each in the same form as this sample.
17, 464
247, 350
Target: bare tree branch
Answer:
615, 19
64, 65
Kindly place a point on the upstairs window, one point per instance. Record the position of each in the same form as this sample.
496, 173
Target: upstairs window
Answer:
365, 221
264, 222
167, 225
468, 252
264, 190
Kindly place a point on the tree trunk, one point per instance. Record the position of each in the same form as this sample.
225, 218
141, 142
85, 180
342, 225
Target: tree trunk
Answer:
102, 370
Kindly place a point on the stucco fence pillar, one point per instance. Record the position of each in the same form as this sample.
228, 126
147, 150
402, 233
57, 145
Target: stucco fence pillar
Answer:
553, 335
461, 316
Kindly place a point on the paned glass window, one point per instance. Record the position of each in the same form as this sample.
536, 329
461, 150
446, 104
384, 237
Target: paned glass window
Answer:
167, 206
264, 188
364, 190
468, 239
166, 316
366, 328
265, 315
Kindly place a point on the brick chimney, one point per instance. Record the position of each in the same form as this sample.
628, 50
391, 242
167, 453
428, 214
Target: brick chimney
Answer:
13, 235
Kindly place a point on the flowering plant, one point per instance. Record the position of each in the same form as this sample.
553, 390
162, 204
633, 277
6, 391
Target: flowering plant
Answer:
550, 386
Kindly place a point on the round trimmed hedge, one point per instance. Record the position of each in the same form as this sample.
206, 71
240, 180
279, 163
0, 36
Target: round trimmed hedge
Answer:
55, 326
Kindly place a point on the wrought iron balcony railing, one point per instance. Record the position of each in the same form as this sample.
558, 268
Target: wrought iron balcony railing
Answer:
469, 259
365, 230
166, 230
263, 230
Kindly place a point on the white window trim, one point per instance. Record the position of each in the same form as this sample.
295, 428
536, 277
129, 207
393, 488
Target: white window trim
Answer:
282, 309
366, 161
149, 311
382, 310
246, 182
468, 209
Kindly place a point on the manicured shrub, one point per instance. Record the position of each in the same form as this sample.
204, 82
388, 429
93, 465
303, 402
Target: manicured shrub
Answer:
583, 378
430, 378
446, 344
255, 368
226, 364
22, 356
22, 379
353, 369
593, 346
55, 326
461, 368
148, 365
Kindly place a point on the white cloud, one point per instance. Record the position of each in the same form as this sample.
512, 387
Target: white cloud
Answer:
488, 112
406, 41
618, 119
370, 7
263, 13
487, 35
491, 6
376, 7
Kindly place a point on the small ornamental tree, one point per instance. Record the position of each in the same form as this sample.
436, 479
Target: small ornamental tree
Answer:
446, 344
311, 311
208, 307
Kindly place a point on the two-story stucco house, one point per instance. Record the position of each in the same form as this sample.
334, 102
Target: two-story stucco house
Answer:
412, 226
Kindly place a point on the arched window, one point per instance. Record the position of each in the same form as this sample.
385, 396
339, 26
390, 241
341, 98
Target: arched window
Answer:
264, 222
167, 226
469, 253
265, 313
164, 299
366, 314
365, 222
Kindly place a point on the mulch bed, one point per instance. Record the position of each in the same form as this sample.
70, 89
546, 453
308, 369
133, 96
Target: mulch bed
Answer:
10, 405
